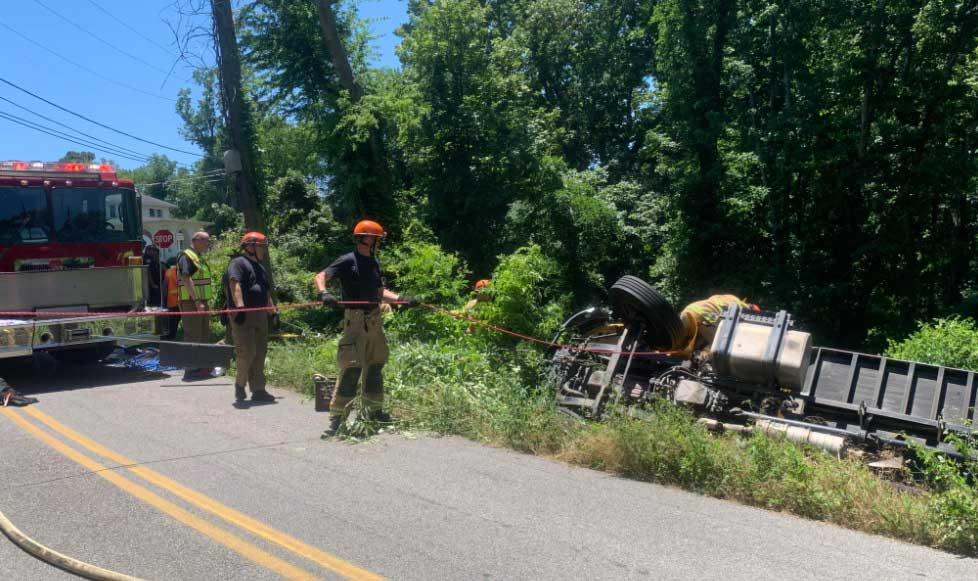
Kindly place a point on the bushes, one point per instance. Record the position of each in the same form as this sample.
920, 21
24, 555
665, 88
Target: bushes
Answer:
951, 342
527, 294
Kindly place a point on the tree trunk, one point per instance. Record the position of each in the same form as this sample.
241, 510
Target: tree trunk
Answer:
373, 198
232, 95
334, 45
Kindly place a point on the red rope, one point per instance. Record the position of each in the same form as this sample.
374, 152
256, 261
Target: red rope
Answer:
290, 306
530, 339
136, 314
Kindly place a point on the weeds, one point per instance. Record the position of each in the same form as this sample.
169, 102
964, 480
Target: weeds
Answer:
487, 393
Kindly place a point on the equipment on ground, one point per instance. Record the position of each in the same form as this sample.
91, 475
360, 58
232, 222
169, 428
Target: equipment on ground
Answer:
70, 241
759, 373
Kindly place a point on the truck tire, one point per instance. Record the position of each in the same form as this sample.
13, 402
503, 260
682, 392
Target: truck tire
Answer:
637, 302
89, 355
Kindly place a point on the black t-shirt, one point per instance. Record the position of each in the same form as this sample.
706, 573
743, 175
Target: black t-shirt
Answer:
253, 280
359, 276
185, 266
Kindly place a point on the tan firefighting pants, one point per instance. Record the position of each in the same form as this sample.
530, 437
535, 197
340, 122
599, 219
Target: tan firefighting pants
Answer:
196, 328
250, 345
361, 356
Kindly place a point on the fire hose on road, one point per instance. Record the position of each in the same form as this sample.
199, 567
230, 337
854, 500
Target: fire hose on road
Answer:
59, 560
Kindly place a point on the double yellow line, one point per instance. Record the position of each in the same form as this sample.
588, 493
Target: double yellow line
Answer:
201, 501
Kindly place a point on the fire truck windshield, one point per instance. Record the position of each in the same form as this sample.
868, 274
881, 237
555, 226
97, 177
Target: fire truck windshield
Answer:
94, 215
23, 216
29, 215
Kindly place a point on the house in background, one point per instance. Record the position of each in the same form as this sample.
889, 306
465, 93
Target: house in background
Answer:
158, 215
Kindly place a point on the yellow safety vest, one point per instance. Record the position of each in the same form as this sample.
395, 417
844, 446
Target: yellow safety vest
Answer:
710, 310
202, 279
699, 321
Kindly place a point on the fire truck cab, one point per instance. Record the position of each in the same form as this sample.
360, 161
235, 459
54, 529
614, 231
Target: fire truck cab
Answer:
70, 242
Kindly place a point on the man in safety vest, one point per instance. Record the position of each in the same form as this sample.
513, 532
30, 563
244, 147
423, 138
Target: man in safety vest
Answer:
362, 350
196, 292
700, 321
248, 287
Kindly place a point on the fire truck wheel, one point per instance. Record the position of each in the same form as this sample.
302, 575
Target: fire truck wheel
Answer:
83, 355
638, 302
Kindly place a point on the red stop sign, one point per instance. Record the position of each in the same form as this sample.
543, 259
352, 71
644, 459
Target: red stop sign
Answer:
163, 238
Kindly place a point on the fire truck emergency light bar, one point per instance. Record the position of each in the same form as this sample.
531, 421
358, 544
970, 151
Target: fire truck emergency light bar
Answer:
39, 168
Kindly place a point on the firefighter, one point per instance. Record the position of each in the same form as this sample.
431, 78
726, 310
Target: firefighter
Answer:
196, 292
362, 350
249, 286
172, 286
481, 296
151, 260
700, 321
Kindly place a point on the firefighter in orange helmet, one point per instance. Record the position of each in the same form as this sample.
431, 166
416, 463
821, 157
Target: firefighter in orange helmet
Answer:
248, 286
363, 349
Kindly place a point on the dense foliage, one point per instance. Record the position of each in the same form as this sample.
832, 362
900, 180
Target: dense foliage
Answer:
814, 156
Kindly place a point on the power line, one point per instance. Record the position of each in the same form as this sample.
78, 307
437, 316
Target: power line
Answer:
94, 122
81, 66
78, 131
131, 28
59, 135
206, 179
51, 131
99, 38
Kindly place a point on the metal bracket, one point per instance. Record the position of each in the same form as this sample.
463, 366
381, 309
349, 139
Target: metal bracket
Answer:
724, 338
612, 367
775, 341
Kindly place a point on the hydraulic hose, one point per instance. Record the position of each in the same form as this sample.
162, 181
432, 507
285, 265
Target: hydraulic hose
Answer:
56, 559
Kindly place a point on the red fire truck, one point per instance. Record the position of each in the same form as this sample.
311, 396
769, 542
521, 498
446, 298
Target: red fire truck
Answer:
70, 241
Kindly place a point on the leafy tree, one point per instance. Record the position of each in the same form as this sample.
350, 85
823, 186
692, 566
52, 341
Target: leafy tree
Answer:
482, 142
78, 157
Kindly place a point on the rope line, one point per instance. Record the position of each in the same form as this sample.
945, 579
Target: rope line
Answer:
294, 306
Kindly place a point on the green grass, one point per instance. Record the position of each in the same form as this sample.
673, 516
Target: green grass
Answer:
485, 393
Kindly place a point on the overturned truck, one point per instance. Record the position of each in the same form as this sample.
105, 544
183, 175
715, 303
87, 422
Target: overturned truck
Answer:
753, 370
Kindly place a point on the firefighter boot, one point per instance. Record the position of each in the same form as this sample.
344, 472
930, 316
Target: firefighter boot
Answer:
239, 393
335, 421
262, 397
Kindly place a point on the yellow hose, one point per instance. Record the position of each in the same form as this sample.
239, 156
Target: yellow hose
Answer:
55, 558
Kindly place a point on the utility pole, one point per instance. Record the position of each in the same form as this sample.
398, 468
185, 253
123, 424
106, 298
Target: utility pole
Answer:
229, 64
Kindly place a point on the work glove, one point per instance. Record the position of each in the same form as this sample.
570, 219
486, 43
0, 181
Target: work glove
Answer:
328, 299
239, 317
274, 321
409, 301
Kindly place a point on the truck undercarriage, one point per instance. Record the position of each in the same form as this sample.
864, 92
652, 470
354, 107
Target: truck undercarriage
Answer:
758, 373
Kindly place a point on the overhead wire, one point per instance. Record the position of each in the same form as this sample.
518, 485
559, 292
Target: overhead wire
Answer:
66, 137
205, 179
99, 38
78, 131
83, 67
93, 121
131, 28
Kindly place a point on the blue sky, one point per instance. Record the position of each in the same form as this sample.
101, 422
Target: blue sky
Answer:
93, 83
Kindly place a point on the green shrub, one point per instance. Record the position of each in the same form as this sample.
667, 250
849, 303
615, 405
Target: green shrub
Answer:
425, 271
527, 295
951, 342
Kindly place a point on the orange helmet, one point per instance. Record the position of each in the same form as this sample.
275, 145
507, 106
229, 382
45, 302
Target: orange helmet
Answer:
254, 238
482, 284
369, 228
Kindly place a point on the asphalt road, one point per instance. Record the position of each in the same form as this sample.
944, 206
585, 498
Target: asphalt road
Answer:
226, 493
